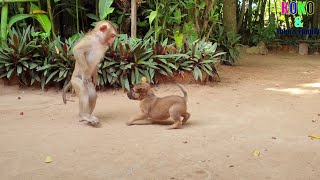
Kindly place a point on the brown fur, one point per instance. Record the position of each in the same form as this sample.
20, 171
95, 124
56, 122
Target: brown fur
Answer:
154, 108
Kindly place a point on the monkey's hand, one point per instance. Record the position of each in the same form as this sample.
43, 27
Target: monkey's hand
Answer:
95, 77
87, 81
94, 80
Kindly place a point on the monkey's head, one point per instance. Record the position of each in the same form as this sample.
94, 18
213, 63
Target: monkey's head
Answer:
140, 91
106, 32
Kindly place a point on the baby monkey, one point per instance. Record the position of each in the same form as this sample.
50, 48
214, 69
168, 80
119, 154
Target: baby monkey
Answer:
88, 53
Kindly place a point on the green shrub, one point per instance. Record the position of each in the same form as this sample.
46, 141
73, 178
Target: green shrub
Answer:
57, 61
201, 59
20, 57
36, 59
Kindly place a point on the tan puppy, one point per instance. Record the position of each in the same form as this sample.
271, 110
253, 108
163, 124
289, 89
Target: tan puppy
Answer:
154, 108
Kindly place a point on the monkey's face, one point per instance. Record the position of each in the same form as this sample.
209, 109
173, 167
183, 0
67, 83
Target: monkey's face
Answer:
107, 33
139, 91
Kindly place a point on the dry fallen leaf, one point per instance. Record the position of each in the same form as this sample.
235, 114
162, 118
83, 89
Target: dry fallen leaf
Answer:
314, 137
144, 79
256, 153
48, 159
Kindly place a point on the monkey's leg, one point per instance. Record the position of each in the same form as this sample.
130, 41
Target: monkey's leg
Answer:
92, 97
83, 94
92, 100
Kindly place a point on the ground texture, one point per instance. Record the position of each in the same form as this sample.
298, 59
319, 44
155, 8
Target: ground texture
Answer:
268, 104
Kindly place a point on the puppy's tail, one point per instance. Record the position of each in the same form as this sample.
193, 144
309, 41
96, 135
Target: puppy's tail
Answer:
185, 95
64, 91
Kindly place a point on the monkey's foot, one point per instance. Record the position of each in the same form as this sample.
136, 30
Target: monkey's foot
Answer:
129, 123
90, 119
94, 120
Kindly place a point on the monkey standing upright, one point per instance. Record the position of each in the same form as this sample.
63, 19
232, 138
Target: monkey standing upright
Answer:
88, 53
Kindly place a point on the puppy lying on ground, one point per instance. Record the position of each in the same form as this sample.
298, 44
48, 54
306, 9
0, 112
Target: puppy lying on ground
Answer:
154, 108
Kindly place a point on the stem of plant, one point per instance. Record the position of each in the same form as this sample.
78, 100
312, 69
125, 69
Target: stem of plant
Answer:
14, 1
51, 18
39, 4
77, 12
97, 8
4, 21
156, 22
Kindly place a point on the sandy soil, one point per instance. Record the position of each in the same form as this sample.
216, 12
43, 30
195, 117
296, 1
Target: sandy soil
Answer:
267, 103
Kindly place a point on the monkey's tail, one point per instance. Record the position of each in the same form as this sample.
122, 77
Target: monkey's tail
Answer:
64, 91
185, 95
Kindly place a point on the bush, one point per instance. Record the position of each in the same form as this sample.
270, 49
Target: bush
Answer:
20, 57
47, 62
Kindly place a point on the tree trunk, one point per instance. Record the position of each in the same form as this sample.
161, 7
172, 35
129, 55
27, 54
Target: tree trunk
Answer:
269, 9
229, 18
287, 21
243, 10
249, 17
287, 18
133, 18
292, 19
276, 15
256, 18
315, 21
291, 15
263, 8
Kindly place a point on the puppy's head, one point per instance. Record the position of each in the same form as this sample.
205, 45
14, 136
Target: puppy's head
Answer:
139, 91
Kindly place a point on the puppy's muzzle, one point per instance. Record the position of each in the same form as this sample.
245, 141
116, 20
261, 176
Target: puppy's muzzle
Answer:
129, 94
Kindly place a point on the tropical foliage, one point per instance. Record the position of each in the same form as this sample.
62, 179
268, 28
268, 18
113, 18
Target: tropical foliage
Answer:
172, 36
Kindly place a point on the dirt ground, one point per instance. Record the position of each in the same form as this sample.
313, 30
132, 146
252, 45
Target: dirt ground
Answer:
268, 104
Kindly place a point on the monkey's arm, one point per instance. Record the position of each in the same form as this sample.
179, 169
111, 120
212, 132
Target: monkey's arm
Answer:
79, 53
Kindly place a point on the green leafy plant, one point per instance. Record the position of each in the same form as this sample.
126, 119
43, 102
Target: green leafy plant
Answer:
230, 44
58, 61
201, 58
36, 13
20, 57
105, 9
131, 63
265, 34
167, 57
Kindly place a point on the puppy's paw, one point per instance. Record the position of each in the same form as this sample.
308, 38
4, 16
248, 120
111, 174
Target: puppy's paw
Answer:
128, 123
175, 126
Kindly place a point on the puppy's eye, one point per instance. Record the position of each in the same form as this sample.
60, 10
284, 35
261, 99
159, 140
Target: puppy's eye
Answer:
137, 90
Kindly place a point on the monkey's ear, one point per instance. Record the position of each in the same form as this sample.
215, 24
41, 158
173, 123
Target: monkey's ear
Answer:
103, 28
